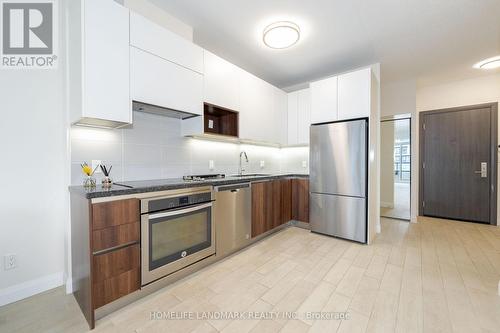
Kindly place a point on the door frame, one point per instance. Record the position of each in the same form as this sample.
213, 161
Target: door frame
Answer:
493, 153
397, 117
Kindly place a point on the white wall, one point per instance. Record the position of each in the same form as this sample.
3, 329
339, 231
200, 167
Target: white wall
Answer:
33, 196
483, 89
398, 97
159, 16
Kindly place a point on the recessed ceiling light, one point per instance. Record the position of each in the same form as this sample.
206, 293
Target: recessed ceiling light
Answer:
281, 35
490, 63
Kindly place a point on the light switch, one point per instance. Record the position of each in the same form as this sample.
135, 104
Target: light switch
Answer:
262, 164
211, 164
304, 164
95, 164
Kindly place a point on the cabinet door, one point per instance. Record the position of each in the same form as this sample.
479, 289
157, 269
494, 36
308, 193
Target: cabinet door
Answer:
261, 208
354, 94
286, 200
160, 82
256, 115
300, 200
280, 116
293, 127
324, 100
106, 82
276, 204
153, 38
221, 82
304, 116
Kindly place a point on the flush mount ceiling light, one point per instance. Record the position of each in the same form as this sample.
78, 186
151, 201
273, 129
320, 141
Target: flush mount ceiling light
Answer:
281, 35
490, 63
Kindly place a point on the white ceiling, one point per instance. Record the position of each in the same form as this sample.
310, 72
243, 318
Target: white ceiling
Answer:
429, 40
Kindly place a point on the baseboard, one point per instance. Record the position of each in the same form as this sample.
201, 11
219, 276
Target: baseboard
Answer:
386, 204
69, 286
300, 224
29, 288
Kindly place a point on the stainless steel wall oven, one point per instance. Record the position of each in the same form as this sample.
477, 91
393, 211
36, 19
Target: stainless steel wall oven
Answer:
177, 230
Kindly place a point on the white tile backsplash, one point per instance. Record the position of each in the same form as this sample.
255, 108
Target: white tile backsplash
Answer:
154, 148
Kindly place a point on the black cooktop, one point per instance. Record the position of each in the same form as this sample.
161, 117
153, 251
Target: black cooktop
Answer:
204, 177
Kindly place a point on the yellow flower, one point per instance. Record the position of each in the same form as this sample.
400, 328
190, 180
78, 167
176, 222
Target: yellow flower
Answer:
87, 170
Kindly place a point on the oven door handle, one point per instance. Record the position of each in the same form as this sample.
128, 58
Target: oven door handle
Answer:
179, 211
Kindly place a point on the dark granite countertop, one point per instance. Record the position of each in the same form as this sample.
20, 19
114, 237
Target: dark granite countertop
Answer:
144, 186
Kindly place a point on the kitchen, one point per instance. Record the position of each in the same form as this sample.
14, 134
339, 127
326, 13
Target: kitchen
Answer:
191, 165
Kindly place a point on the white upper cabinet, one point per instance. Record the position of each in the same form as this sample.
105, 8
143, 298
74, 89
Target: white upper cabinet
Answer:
299, 117
163, 83
153, 38
293, 125
256, 112
354, 99
304, 116
99, 89
280, 116
221, 82
324, 100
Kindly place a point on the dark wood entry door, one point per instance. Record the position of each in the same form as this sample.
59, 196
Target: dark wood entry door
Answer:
457, 144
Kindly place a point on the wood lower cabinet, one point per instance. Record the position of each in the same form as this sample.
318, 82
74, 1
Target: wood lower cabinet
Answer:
261, 207
116, 274
300, 199
271, 205
113, 213
105, 252
286, 200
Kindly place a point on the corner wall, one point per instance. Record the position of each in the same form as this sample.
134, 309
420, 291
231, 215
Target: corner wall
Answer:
34, 202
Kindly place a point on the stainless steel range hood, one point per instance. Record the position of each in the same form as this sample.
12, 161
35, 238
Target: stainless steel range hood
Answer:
162, 111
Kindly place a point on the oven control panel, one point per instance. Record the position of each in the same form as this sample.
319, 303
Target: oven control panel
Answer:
180, 201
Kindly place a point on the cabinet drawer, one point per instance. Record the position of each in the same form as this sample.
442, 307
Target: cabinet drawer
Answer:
113, 288
115, 236
114, 263
113, 213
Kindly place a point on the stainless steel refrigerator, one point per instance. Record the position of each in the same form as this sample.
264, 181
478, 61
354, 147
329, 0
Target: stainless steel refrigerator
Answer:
339, 178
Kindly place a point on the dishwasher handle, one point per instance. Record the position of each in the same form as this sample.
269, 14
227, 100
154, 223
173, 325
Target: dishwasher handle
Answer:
233, 188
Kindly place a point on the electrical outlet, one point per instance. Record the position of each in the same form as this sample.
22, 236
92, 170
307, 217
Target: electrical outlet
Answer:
10, 261
95, 164
262, 164
304, 164
211, 165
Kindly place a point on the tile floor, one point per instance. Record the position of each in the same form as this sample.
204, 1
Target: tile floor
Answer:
433, 276
401, 209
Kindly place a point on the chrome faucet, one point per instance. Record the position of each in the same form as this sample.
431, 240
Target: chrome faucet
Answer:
241, 169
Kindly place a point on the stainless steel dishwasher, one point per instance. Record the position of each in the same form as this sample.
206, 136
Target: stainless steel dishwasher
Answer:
233, 217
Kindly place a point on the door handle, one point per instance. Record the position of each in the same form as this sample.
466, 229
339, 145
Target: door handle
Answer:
483, 171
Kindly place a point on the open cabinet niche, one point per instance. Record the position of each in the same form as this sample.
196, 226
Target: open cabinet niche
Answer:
220, 121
